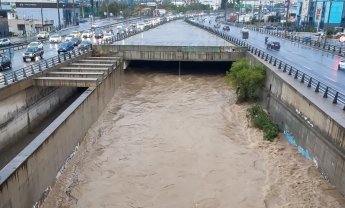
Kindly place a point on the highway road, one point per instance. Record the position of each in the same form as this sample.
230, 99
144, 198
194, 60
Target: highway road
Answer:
50, 50
319, 64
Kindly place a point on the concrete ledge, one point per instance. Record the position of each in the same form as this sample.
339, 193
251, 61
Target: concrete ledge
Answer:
84, 69
76, 74
24, 179
66, 82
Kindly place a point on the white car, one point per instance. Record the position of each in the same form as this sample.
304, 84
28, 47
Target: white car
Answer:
108, 36
36, 44
69, 37
5, 42
87, 34
55, 38
341, 64
244, 29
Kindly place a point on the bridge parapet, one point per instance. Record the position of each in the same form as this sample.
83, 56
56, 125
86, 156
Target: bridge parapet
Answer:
172, 53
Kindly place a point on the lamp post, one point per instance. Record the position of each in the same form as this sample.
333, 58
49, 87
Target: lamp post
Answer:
329, 14
287, 16
57, 5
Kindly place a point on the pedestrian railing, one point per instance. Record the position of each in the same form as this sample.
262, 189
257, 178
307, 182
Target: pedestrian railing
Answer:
13, 76
311, 82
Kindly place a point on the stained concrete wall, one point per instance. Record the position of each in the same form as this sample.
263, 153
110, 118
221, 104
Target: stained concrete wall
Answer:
25, 110
310, 122
171, 53
24, 179
23, 106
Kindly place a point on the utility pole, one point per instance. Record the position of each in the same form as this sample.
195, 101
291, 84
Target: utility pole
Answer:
42, 15
329, 14
57, 5
73, 18
225, 6
287, 16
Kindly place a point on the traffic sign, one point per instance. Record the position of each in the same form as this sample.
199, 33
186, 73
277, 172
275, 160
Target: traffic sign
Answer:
342, 39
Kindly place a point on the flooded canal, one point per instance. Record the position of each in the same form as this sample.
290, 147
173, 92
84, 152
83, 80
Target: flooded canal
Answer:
166, 141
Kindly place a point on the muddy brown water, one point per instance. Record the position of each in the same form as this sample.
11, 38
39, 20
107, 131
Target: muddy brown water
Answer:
166, 141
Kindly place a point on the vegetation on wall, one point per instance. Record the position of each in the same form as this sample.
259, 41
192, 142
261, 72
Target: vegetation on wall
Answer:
261, 120
248, 79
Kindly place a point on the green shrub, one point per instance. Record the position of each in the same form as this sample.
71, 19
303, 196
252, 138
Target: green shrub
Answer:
262, 121
247, 78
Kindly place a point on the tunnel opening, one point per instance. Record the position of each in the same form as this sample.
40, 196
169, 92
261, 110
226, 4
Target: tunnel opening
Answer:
181, 67
12, 150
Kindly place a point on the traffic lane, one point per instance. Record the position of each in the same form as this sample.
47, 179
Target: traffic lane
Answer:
319, 64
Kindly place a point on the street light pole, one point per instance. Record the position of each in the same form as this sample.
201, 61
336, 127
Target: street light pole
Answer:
57, 5
287, 16
329, 14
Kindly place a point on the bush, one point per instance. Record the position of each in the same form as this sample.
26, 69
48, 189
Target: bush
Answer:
262, 121
247, 78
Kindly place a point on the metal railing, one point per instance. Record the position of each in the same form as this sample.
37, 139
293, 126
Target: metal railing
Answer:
19, 74
319, 44
311, 82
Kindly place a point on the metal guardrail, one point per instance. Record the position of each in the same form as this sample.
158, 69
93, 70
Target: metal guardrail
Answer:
311, 82
336, 49
23, 73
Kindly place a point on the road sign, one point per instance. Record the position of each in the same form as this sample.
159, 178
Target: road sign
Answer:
247, 6
342, 39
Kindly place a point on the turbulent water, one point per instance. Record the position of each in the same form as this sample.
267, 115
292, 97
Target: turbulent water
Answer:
166, 141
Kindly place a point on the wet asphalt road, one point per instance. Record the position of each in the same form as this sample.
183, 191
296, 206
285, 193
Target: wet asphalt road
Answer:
50, 50
319, 64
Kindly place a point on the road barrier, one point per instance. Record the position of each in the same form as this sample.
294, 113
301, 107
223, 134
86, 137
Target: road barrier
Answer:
326, 91
23, 73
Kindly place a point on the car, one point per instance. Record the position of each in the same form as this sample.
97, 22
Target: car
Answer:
32, 52
43, 35
108, 36
244, 30
98, 33
36, 44
341, 64
76, 34
119, 26
306, 39
56, 38
87, 34
76, 41
65, 47
320, 33
5, 62
69, 38
226, 28
5, 42
273, 45
216, 25
84, 45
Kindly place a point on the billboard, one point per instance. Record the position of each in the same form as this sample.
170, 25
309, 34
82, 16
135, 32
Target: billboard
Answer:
336, 12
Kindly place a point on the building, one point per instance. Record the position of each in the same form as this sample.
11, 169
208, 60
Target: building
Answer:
316, 13
63, 14
214, 4
4, 30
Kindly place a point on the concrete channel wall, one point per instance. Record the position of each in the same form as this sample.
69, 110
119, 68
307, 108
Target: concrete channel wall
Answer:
311, 123
24, 179
23, 106
172, 53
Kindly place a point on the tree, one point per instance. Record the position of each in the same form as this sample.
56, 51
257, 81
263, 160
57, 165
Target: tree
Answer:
247, 78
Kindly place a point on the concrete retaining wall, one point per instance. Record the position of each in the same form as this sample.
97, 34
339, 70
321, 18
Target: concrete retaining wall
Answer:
23, 106
171, 53
26, 109
315, 131
24, 179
